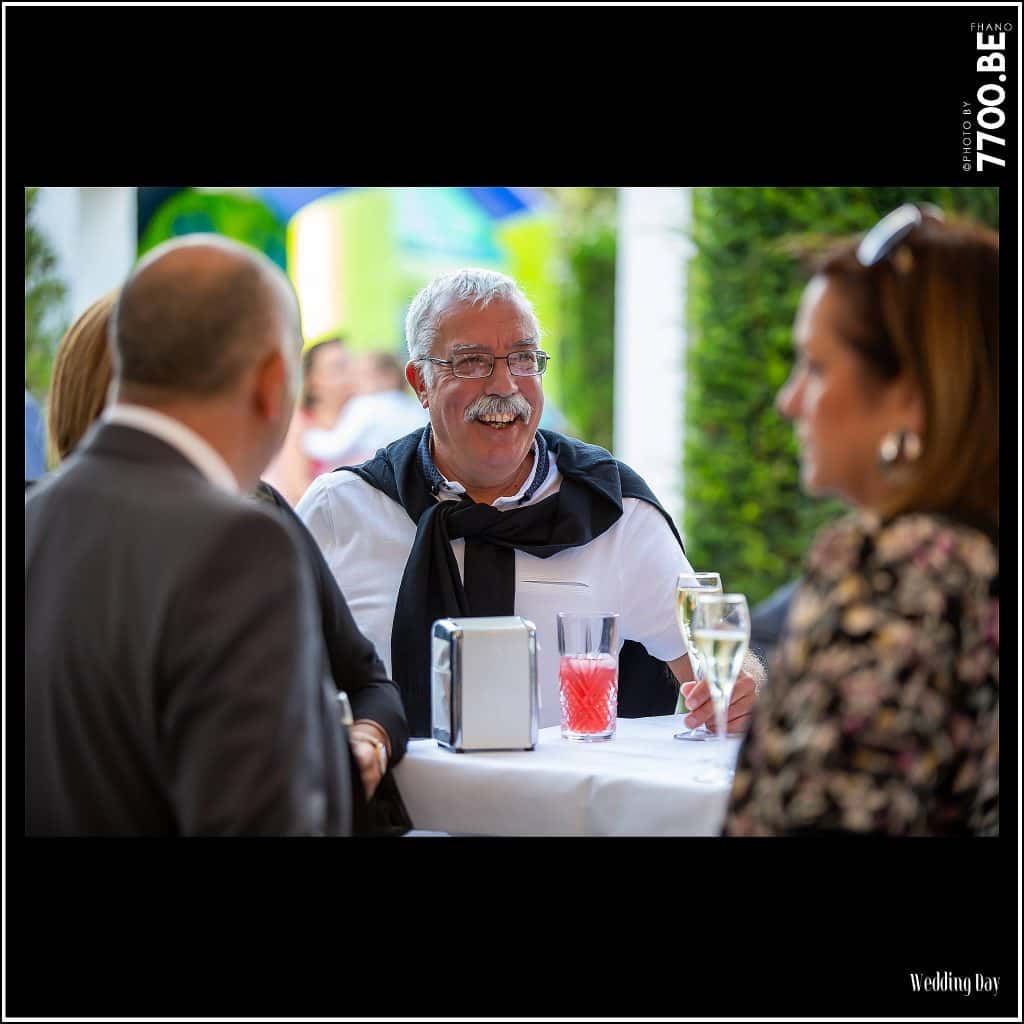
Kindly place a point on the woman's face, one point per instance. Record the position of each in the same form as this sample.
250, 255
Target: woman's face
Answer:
329, 380
840, 409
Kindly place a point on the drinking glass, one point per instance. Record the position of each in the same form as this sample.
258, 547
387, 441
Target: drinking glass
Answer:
688, 586
720, 628
588, 674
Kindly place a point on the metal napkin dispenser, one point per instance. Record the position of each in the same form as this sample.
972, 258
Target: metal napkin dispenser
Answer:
483, 683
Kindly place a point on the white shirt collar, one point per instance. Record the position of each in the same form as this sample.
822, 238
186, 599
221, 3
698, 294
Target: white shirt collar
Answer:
183, 439
454, 487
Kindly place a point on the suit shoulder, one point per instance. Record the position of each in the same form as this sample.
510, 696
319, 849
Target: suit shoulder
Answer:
204, 522
254, 522
240, 547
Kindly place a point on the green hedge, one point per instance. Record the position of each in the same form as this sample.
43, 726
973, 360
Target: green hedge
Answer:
586, 348
745, 514
45, 295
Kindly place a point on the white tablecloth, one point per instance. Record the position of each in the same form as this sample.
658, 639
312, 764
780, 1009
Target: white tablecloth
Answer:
639, 783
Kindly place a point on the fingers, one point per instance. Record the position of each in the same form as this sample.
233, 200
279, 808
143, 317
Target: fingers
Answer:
695, 694
703, 713
744, 685
734, 727
740, 706
369, 768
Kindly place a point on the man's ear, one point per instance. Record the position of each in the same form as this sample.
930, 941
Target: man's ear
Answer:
270, 386
414, 376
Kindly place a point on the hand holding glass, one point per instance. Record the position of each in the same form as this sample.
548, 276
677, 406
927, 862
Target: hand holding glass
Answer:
689, 586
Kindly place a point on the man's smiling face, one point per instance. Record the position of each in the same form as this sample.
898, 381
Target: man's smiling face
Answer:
483, 429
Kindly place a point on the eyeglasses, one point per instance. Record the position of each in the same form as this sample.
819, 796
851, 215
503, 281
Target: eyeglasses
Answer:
892, 229
477, 365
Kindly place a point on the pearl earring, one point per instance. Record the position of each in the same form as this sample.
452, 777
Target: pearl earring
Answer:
899, 446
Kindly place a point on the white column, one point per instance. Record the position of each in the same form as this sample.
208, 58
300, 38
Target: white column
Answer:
650, 337
107, 243
93, 234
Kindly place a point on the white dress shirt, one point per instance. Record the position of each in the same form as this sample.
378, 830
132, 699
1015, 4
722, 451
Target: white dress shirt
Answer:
631, 569
183, 439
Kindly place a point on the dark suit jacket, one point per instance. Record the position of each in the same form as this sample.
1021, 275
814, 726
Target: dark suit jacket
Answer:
360, 673
174, 683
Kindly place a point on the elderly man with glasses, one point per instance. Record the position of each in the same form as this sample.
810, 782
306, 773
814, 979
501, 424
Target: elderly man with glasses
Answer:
481, 513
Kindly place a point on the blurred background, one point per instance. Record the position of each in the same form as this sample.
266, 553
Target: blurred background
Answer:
668, 312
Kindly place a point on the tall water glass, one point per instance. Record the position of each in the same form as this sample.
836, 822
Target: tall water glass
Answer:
588, 674
721, 633
688, 586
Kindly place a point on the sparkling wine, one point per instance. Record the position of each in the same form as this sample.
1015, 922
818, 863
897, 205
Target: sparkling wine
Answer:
721, 653
686, 602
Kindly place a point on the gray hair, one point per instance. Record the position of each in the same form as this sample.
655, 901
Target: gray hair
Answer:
472, 286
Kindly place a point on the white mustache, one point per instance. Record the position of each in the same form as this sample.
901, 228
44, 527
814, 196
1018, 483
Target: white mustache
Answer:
496, 405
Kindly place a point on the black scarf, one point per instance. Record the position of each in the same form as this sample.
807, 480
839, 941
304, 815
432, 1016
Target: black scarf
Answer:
588, 502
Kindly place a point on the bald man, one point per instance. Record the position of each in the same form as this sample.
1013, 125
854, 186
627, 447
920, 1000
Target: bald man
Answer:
175, 683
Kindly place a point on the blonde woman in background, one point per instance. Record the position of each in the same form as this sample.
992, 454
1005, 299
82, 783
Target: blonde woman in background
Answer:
80, 379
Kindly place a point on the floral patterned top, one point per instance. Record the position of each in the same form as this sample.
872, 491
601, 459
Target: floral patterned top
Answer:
881, 714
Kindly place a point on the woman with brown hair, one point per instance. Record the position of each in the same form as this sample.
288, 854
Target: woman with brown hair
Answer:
882, 710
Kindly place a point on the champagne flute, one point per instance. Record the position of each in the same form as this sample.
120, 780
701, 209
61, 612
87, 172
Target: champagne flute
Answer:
688, 586
720, 627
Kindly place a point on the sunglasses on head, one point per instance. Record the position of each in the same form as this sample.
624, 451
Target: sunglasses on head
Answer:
892, 229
